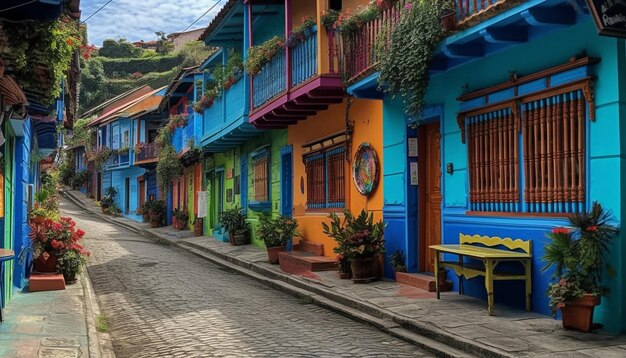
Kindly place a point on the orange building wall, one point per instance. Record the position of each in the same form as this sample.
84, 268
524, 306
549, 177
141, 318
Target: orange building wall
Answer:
368, 127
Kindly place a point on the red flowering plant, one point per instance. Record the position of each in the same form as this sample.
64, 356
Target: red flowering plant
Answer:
577, 255
300, 32
61, 239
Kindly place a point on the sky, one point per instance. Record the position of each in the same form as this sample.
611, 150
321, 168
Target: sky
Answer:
139, 19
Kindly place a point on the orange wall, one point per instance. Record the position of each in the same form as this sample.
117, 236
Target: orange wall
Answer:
300, 9
368, 127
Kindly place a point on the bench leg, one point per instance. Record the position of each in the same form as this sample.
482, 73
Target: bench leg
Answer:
461, 288
437, 275
529, 286
489, 285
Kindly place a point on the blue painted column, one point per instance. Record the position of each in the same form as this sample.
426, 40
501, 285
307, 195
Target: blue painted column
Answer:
400, 198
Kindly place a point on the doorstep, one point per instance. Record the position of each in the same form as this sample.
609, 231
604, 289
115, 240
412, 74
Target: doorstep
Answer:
457, 322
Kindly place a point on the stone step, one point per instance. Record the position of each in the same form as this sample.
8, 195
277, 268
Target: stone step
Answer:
46, 282
297, 262
422, 281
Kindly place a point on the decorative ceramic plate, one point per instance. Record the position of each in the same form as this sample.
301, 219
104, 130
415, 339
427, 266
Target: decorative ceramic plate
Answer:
365, 169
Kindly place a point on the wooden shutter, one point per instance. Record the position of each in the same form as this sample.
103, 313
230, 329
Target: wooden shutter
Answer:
261, 180
554, 153
315, 181
493, 160
336, 178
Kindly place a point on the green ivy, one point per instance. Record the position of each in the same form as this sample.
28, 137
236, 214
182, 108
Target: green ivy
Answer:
405, 59
168, 168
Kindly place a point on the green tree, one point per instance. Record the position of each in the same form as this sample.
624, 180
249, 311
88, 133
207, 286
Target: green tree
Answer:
93, 84
119, 49
164, 45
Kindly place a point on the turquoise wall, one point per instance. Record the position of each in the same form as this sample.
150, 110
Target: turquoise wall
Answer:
604, 154
118, 181
605, 162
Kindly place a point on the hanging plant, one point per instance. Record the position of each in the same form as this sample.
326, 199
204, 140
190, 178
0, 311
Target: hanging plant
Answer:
169, 167
301, 32
177, 121
329, 18
42, 54
259, 56
405, 58
100, 156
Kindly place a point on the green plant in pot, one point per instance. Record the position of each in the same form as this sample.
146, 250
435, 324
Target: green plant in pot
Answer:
145, 209
578, 255
236, 225
359, 239
157, 213
398, 261
109, 198
275, 233
182, 216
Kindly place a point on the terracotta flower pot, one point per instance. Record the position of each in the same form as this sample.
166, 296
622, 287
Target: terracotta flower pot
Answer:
37, 220
363, 270
272, 253
578, 314
45, 263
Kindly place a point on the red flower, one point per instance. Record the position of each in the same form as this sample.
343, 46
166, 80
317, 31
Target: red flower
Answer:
69, 42
591, 228
560, 230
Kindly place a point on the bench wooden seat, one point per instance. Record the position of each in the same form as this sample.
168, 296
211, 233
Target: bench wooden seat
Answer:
490, 251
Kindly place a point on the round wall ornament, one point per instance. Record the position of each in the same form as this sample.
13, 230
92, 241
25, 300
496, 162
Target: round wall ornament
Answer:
365, 169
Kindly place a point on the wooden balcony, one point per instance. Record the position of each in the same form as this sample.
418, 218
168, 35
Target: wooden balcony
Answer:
290, 87
359, 60
149, 154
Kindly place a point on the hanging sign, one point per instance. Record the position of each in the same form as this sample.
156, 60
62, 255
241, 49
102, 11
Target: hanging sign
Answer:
202, 204
609, 16
413, 172
412, 147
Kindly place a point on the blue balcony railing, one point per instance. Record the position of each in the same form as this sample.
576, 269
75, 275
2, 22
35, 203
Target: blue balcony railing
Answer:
304, 59
270, 81
118, 159
227, 108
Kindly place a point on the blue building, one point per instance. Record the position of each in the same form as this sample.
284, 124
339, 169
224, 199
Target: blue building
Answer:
511, 73
119, 130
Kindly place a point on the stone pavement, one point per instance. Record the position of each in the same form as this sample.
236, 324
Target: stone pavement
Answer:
456, 321
50, 324
162, 301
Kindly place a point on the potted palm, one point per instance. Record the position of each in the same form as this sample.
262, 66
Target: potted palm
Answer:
578, 256
236, 225
361, 241
275, 233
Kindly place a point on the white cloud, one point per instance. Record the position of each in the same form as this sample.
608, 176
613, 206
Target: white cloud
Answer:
139, 19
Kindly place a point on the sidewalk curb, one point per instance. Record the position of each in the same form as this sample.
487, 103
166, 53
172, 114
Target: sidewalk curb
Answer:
432, 339
99, 342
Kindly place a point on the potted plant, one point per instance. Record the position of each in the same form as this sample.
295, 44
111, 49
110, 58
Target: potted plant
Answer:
275, 233
398, 261
109, 199
236, 225
157, 211
361, 240
198, 224
182, 216
37, 215
71, 263
145, 209
578, 256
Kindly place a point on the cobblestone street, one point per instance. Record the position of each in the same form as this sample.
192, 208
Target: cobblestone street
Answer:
162, 301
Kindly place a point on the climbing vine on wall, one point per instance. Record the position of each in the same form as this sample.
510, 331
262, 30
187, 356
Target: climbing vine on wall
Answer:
405, 52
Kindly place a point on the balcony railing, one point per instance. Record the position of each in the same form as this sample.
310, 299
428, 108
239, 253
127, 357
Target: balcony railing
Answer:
149, 152
270, 81
358, 48
118, 159
304, 59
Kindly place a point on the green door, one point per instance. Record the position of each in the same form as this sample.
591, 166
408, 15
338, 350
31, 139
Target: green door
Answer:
9, 160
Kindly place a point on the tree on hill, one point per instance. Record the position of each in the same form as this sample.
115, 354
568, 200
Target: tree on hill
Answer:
164, 45
119, 49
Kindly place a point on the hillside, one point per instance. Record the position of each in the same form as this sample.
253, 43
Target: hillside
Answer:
118, 67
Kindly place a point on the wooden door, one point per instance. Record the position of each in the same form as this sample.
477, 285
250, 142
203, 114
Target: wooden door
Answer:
429, 214
142, 194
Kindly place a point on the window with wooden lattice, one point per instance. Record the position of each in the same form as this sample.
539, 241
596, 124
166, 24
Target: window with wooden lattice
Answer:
529, 155
326, 179
261, 177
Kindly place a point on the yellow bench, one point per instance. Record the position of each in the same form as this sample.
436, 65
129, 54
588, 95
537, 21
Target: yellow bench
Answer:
490, 258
